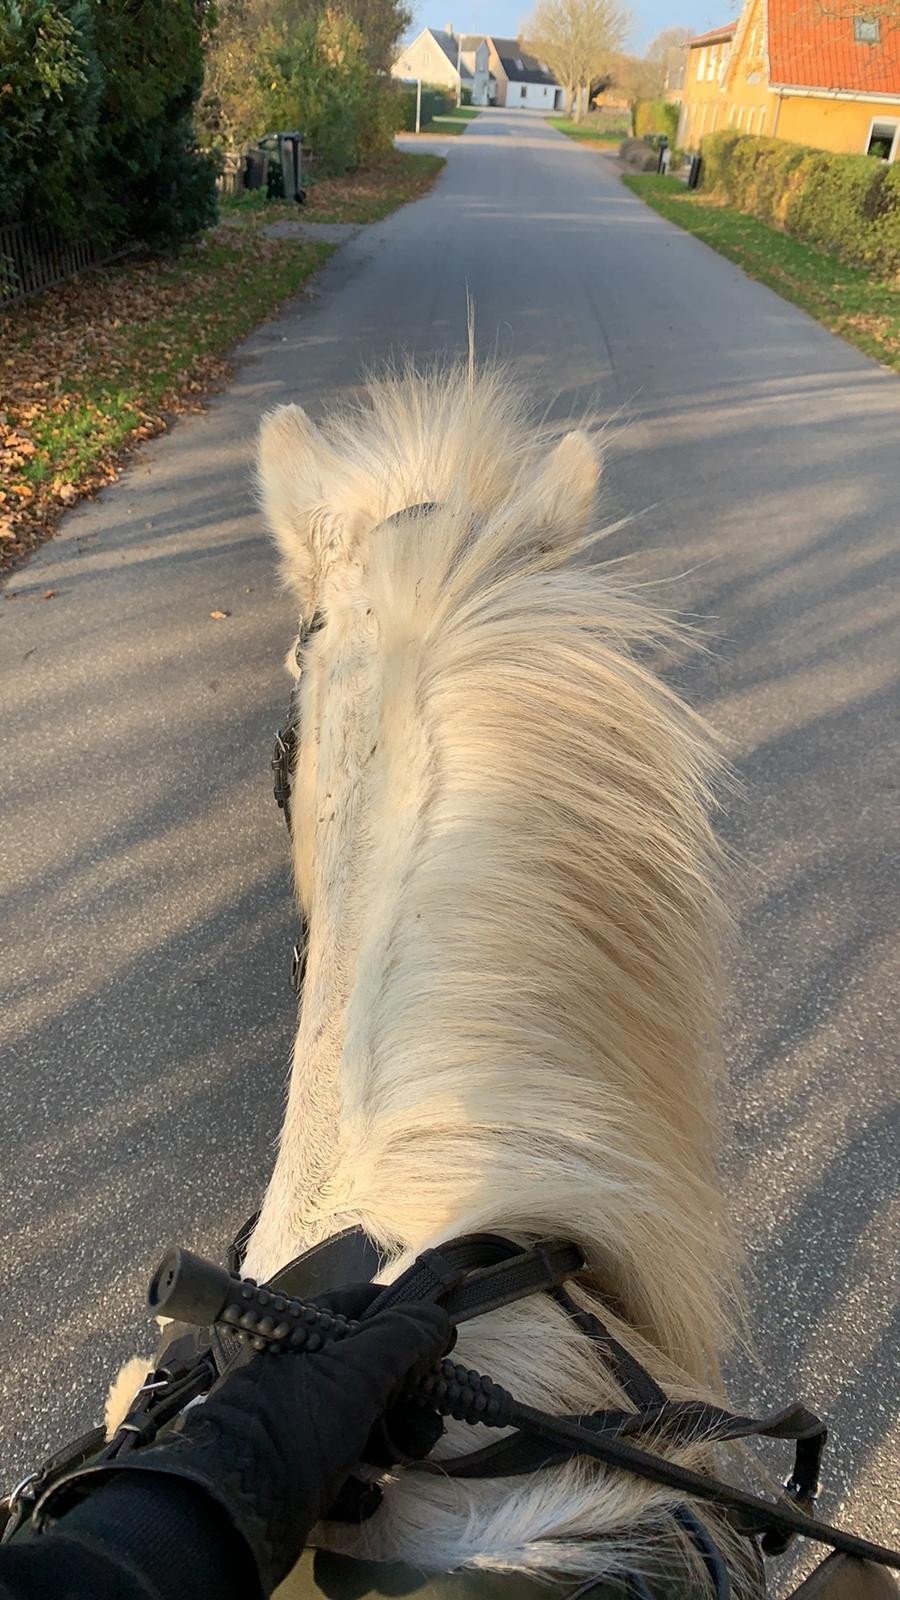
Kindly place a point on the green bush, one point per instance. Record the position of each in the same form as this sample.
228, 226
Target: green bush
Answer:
96, 137
50, 93
435, 103
280, 68
848, 205
655, 117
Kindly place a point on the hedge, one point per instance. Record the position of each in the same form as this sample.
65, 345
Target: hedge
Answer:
96, 131
846, 205
655, 116
435, 103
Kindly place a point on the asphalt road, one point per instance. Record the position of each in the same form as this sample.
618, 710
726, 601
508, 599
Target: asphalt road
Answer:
146, 909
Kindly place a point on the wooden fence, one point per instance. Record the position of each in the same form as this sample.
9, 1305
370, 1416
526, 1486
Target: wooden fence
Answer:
33, 258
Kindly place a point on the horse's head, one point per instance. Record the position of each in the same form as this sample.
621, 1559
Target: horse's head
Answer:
462, 446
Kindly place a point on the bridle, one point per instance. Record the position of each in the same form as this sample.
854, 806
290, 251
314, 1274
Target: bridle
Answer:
469, 1276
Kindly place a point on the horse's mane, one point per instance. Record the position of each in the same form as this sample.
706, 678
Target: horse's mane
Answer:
502, 841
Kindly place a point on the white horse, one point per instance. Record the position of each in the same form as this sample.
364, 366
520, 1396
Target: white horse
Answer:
510, 1012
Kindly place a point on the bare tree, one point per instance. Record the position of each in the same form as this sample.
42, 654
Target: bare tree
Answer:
579, 39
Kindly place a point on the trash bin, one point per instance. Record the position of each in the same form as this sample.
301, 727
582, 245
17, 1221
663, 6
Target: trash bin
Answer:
256, 164
284, 152
662, 164
693, 177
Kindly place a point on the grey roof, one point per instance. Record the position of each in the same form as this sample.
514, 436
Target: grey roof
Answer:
520, 65
450, 46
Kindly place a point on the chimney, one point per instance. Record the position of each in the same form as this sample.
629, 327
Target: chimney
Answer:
449, 29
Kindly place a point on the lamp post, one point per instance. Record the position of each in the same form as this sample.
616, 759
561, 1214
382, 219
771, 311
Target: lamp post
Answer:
458, 71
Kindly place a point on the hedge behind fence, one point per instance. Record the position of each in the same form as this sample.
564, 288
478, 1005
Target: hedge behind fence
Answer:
96, 101
848, 205
435, 103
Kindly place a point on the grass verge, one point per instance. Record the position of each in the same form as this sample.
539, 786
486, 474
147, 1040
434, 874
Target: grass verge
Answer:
365, 196
453, 122
92, 367
863, 310
589, 132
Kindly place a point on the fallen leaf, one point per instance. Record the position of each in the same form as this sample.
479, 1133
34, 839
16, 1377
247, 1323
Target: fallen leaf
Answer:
219, 616
48, 594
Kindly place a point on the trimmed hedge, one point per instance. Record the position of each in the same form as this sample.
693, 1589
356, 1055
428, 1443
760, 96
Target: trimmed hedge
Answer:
96, 129
639, 155
655, 116
847, 205
435, 103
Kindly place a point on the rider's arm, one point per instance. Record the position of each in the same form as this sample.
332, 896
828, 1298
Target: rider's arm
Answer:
225, 1506
134, 1539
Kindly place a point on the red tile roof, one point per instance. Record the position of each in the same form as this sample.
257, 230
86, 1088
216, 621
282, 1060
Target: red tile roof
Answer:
714, 35
811, 49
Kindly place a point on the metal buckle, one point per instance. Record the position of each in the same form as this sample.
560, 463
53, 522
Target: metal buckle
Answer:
15, 1502
281, 766
774, 1542
298, 966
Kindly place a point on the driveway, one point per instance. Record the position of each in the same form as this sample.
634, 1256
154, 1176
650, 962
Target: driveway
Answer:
145, 897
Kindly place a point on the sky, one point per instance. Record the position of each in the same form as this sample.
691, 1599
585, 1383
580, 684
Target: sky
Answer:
503, 17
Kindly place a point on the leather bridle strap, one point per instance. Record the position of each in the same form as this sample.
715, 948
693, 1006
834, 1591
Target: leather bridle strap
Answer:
480, 1272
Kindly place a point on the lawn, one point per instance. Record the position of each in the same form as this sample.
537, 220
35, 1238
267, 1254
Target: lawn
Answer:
452, 122
863, 310
592, 130
94, 366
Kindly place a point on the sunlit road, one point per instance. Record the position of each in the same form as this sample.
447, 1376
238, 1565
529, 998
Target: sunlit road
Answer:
145, 899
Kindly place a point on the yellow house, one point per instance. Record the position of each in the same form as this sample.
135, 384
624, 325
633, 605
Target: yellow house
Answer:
787, 68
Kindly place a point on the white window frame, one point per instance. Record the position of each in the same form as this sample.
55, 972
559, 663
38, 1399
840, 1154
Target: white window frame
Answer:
701, 62
712, 62
885, 122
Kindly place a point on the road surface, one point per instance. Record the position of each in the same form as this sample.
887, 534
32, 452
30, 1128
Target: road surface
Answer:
145, 895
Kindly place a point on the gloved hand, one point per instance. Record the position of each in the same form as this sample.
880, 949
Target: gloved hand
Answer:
279, 1434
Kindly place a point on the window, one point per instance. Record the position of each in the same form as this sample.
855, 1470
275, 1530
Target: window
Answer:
884, 140
701, 64
524, 91
713, 59
867, 30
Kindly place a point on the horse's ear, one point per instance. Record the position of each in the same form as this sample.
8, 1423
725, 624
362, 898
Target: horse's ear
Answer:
565, 489
294, 463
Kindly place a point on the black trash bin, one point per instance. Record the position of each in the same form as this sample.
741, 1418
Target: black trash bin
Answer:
663, 147
694, 171
284, 151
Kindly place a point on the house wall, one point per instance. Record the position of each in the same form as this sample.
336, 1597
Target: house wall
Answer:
841, 125
726, 84
728, 88
495, 66
425, 59
533, 96
480, 75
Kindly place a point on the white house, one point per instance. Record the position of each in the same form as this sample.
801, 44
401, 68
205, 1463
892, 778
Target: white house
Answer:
453, 61
521, 78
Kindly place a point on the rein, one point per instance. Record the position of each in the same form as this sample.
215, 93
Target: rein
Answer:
468, 1276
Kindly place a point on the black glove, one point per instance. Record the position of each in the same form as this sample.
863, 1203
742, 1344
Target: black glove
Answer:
279, 1434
